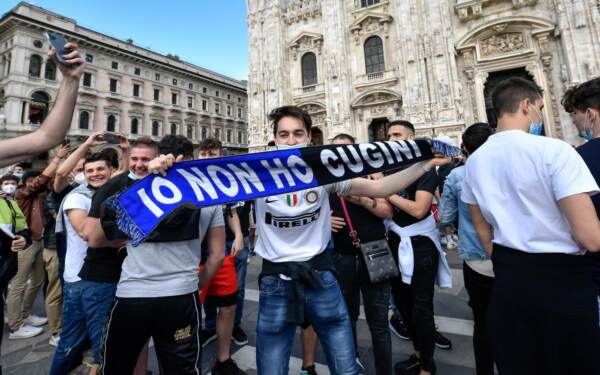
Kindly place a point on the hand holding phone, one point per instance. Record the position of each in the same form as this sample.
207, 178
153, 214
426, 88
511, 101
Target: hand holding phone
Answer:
67, 56
58, 42
112, 138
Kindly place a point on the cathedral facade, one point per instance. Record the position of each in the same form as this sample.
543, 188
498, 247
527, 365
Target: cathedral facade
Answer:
356, 65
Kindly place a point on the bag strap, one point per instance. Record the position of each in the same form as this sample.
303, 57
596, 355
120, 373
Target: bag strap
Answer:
353, 233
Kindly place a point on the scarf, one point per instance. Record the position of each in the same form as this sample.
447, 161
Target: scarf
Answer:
199, 183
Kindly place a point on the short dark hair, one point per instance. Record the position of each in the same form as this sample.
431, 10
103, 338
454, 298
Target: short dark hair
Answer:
290, 111
145, 142
176, 145
98, 156
509, 93
210, 143
21, 165
30, 174
344, 136
476, 135
583, 96
9, 177
407, 124
112, 155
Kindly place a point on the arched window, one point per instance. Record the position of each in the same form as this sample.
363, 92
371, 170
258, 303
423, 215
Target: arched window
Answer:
50, 72
38, 107
111, 123
309, 69
190, 131
35, 66
84, 120
173, 128
374, 61
368, 3
155, 128
134, 125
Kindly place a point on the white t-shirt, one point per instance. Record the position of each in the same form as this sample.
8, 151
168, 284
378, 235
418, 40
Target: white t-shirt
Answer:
162, 269
295, 227
517, 180
76, 246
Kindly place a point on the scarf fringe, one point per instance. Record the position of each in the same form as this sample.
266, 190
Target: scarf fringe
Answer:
125, 222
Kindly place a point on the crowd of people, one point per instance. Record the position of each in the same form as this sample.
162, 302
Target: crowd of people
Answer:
521, 210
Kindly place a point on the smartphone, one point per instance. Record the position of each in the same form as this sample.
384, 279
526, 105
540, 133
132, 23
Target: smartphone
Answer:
112, 138
58, 41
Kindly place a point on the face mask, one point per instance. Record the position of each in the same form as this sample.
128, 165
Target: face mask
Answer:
9, 189
18, 174
133, 176
536, 128
586, 133
288, 147
79, 179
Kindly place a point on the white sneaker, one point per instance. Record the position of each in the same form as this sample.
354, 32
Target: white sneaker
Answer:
35, 321
451, 245
25, 332
54, 339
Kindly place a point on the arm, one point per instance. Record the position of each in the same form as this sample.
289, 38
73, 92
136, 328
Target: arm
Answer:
583, 220
377, 206
234, 224
77, 219
216, 246
124, 165
55, 126
61, 182
419, 208
483, 228
393, 183
94, 235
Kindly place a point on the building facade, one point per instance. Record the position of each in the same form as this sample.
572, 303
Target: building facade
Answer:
125, 88
355, 65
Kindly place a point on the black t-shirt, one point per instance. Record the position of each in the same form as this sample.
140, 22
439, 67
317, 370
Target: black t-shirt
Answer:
590, 152
368, 226
244, 215
428, 182
104, 264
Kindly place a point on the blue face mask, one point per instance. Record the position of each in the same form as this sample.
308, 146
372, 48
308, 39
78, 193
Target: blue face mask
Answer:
288, 147
536, 128
18, 174
586, 133
133, 176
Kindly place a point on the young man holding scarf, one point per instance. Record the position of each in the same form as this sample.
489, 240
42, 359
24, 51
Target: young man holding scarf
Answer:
297, 282
414, 241
157, 294
534, 210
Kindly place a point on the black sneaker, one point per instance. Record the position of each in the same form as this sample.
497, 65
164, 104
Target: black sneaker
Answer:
410, 366
229, 367
207, 336
310, 370
239, 336
399, 327
442, 342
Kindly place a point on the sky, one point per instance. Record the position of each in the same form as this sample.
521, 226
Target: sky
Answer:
210, 34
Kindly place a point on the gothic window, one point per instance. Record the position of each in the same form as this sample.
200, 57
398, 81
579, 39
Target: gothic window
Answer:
35, 65
309, 69
84, 120
368, 3
155, 128
111, 123
134, 125
374, 61
50, 72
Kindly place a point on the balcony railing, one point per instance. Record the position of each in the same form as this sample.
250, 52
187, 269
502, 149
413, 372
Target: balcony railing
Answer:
309, 90
376, 78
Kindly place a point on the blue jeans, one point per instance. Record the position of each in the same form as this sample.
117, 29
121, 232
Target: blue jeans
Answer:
324, 308
241, 266
85, 307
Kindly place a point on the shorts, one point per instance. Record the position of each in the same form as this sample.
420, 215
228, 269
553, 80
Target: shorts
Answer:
222, 289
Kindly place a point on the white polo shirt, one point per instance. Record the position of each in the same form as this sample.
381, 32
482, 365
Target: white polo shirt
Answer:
517, 180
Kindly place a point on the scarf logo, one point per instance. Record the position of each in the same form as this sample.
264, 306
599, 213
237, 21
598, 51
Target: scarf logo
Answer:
139, 210
292, 200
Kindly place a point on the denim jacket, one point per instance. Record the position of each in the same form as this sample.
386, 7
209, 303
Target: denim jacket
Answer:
469, 247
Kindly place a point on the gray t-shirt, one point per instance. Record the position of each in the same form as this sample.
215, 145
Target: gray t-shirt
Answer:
167, 268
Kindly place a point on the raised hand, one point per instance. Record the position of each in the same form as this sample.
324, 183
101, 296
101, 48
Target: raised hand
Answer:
74, 67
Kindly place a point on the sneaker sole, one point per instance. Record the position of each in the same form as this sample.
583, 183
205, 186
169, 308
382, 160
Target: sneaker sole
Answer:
36, 325
209, 340
398, 334
239, 342
23, 337
444, 347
